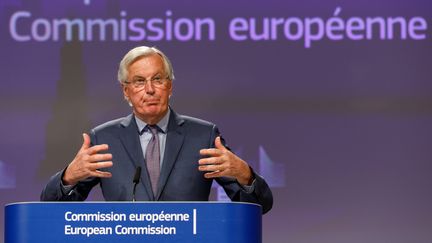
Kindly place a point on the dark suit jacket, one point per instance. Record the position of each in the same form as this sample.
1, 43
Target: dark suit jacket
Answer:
180, 179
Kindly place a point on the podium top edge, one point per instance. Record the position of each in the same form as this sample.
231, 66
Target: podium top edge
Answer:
130, 202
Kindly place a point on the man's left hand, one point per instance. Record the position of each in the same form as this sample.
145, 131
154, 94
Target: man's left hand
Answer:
220, 161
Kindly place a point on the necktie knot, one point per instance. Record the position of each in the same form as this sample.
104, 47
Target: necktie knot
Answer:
153, 129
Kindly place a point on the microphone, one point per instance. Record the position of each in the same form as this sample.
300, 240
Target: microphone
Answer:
136, 180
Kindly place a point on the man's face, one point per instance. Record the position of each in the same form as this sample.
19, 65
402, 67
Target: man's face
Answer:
150, 101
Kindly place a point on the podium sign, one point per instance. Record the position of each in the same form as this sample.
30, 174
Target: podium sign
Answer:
125, 222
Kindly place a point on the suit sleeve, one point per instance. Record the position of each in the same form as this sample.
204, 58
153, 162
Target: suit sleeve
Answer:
261, 193
55, 191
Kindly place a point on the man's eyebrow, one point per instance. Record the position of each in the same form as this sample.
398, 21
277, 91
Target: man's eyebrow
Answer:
138, 77
141, 77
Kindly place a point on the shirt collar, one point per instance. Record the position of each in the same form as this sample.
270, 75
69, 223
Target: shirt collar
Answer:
162, 124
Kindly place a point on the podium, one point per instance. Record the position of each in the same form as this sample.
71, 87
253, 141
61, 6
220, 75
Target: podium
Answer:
126, 222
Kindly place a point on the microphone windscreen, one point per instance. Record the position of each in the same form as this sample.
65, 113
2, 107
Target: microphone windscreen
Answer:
137, 176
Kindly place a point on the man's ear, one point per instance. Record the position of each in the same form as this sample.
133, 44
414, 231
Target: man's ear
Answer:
125, 89
170, 88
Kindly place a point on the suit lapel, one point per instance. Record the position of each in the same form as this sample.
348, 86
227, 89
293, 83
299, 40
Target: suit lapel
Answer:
132, 144
174, 142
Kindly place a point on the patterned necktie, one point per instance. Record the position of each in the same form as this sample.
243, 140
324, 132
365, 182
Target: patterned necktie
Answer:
153, 158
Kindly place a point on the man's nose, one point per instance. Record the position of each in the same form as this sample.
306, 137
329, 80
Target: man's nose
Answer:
149, 88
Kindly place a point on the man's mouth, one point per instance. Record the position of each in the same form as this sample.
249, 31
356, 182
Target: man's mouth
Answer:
151, 102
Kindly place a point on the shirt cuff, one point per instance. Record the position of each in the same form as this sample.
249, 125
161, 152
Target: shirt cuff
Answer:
66, 189
247, 188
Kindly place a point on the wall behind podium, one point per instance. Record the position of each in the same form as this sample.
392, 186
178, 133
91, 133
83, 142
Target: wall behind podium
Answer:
329, 100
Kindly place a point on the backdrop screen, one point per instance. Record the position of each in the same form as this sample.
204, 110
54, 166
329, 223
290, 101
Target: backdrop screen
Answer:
329, 100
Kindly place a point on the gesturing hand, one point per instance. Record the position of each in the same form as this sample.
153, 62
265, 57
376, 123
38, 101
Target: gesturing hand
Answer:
219, 161
86, 163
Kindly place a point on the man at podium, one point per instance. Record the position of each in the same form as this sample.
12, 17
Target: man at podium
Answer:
179, 155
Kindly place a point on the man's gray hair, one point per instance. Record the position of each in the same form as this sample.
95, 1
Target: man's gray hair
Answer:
135, 54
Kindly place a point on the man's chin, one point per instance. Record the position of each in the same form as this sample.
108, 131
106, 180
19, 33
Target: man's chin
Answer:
151, 111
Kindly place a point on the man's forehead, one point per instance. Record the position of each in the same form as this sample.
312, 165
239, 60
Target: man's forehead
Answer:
146, 66
151, 58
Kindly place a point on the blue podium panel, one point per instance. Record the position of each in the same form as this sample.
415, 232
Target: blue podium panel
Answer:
133, 222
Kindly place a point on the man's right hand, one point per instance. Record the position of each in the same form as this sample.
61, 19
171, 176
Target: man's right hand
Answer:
86, 163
